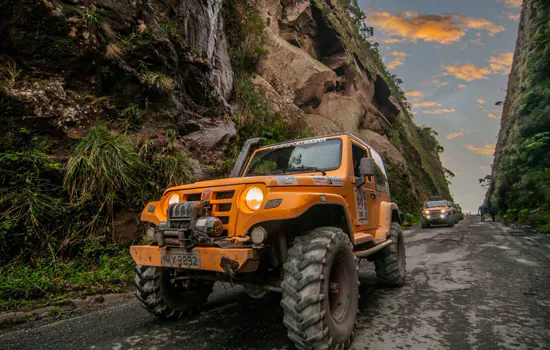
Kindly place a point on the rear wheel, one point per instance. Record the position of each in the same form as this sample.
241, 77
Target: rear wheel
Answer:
321, 290
390, 262
163, 295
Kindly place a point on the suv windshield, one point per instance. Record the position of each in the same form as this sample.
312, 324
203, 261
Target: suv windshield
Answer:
295, 157
436, 204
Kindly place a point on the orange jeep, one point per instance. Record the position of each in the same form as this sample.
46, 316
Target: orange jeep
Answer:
293, 217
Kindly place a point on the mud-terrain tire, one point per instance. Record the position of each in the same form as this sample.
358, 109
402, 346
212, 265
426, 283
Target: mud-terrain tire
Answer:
450, 222
321, 290
390, 262
167, 299
424, 223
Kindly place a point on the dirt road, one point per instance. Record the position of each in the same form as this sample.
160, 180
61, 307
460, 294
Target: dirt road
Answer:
474, 286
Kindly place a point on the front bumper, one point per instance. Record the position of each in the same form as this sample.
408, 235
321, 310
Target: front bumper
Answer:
436, 219
211, 258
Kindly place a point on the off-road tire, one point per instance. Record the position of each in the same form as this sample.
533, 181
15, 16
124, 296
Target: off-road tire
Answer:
424, 223
310, 318
450, 222
165, 299
390, 264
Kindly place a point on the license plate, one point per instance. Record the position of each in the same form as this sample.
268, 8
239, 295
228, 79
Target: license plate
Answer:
181, 258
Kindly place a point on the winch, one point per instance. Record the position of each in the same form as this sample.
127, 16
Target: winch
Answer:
189, 223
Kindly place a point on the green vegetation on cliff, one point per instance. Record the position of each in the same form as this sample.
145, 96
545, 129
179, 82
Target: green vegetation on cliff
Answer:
520, 185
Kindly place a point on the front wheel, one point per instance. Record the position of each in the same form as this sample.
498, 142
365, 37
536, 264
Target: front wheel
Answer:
163, 294
321, 290
390, 262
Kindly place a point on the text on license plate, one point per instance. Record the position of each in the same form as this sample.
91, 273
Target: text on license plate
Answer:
181, 258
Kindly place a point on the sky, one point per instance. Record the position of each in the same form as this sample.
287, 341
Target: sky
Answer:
454, 58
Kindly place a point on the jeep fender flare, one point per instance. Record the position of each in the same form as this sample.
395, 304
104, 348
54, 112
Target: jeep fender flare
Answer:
389, 213
150, 213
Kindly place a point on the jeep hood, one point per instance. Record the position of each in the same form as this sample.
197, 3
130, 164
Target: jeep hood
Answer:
305, 179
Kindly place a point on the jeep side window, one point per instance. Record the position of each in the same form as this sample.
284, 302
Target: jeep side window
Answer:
357, 153
379, 171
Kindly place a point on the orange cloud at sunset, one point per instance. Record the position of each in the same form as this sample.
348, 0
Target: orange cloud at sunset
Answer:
487, 150
511, 3
502, 63
440, 111
492, 116
462, 132
426, 104
415, 93
443, 28
467, 71
480, 101
461, 86
398, 60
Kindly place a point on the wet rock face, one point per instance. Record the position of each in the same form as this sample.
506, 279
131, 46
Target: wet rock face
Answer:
87, 60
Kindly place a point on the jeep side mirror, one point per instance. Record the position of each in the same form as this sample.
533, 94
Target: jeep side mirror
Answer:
367, 167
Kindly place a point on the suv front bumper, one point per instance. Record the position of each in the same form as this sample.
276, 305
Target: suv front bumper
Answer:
210, 258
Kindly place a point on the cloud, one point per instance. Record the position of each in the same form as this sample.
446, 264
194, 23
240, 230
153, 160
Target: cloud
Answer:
398, 60
512, 15
487, 150
442, 28
462, 132
442, 84
440, 111
480, 100
502, 63
467, 71
415, 93
511, 3
429, 83
461, 86
492, 116
427, 104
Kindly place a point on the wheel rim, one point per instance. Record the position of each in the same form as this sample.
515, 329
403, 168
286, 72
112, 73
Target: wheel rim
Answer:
339, 289
401, 253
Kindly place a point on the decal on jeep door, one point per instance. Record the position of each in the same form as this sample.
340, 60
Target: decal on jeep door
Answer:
319, 180
361, 205
336, 181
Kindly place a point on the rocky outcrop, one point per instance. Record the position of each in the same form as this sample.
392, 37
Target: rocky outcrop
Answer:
320, 67
79, 62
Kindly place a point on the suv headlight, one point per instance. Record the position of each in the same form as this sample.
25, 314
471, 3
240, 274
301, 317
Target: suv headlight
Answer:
254, 198
426, 211
443, 210
175, 198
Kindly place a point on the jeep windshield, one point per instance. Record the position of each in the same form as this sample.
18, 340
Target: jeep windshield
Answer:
436, 204
317, 155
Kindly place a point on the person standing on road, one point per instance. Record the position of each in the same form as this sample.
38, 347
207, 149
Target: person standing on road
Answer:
482, 210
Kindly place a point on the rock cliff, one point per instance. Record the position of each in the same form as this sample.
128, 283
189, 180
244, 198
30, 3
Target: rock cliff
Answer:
177, 86
521, 169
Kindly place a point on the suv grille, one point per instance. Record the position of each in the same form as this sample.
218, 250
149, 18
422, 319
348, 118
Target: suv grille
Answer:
435, 212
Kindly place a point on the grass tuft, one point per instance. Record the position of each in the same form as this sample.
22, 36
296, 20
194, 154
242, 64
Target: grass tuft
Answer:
104, 168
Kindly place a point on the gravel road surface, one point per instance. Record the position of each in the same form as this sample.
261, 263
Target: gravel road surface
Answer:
478, 285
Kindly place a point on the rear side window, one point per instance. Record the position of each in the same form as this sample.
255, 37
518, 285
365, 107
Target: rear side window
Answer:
380, 175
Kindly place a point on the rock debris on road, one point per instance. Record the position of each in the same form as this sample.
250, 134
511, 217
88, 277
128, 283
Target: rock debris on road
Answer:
478, 285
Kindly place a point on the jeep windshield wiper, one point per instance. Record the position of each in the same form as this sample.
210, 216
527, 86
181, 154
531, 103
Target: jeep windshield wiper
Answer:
306, 169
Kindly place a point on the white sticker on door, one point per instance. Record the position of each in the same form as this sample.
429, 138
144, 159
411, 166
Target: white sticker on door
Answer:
361, 206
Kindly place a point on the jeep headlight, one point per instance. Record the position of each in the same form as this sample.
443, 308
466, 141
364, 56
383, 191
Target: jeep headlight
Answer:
173, 199
254, 198
443, 210
426, 212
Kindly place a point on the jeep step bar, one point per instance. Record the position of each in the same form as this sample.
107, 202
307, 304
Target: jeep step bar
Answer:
372, 250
